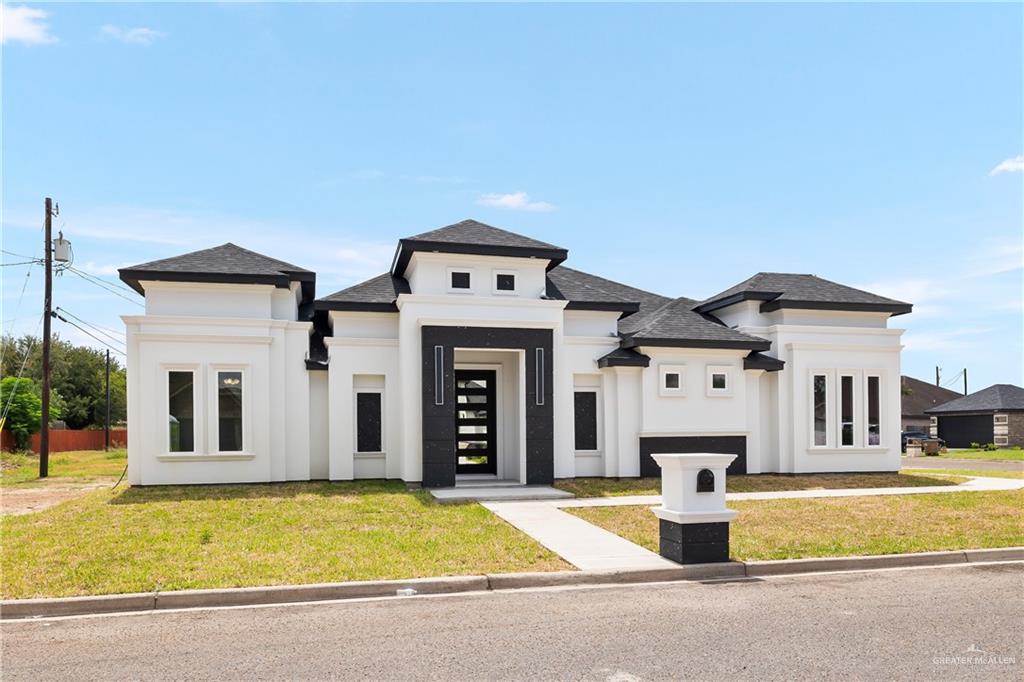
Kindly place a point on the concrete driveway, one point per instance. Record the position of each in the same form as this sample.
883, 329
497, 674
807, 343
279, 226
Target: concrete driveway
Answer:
896, 624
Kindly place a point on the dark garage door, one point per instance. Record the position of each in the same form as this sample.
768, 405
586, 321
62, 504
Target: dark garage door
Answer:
727, 445
960, 431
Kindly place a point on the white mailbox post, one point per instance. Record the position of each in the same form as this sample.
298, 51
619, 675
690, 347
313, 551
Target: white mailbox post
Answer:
694, 521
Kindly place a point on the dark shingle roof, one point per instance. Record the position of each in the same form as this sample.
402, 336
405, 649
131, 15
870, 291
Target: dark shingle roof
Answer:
373, 295
676, 324
993, 398
757, 360
474, 237
225, 264
918, 396
786, 290
623, 357
590, 292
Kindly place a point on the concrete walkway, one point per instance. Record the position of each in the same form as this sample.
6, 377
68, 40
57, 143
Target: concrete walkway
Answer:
582, 544
969, 464
586, 546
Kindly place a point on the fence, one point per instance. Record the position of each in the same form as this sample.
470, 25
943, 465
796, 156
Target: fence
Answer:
63, 440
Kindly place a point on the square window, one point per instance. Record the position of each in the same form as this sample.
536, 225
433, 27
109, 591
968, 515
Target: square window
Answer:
718, 381
505, 282
672, 380
460, 280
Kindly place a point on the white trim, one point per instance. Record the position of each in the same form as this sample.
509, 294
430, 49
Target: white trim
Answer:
357, 341
193, 369
459, 290
198, 321
866, 435
823, 329
844, 349
590, 340
479, 301
504, 292
213, 407
220, 457
694, 517
153, 284
829, 429
202, 338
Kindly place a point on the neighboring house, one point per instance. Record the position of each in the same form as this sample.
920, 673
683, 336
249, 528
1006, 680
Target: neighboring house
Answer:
916, 396
480, 355
991, 415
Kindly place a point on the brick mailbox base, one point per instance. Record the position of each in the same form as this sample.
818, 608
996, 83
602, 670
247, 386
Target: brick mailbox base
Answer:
694, 543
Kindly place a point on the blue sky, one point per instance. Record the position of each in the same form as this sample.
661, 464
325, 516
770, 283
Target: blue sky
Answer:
679, 148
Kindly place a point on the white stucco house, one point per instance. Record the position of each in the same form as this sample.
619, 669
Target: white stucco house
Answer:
479, 354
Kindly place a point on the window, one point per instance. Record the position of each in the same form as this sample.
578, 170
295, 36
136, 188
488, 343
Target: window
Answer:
229, 411
718, 381
181, 411
1001, 440
874, 411
671, 380
504, 282
539, 380
846, 410
585, 409
460, 279
998, 419
820, 383
368, 422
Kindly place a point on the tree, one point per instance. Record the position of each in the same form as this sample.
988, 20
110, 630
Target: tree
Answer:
21, 399
76, 373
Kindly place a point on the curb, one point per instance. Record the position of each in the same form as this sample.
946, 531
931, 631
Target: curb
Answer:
12, 609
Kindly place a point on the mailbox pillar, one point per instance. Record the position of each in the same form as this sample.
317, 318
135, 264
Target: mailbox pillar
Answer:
694, 522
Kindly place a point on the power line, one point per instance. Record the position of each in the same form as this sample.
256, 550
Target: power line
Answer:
114, 285
20, 255
17, 382
90, 334
28, 273
91, 325
103, 285
27, 262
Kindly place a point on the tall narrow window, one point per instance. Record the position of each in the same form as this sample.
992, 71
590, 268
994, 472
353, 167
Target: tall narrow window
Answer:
820, 409
874, 400
540, 377
585, 408
368, 422
229, 411
846, 410
181, 411
439, 375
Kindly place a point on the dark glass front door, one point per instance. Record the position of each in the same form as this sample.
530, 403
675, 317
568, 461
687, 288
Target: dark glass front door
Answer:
475, 419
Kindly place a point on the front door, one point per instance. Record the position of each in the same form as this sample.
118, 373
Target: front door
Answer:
475, 419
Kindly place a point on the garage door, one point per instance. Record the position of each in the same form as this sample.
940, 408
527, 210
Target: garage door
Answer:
960, 431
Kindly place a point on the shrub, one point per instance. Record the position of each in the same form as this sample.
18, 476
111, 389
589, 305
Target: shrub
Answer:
975, 446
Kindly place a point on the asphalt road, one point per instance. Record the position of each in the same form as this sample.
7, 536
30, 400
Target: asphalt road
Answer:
908, 624
969, 464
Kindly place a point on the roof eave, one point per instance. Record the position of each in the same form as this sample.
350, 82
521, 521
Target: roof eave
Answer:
733, 299
407, 247
716, 344
133, 278
894, 308
356, 306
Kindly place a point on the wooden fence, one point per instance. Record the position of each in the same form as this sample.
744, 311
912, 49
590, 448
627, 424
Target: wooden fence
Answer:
63, 440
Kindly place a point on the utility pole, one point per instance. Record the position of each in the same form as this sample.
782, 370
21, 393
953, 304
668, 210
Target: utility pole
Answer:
44, 427
965, 381
106, 435
936, 375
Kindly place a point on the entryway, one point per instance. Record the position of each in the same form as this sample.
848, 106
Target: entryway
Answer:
476, 444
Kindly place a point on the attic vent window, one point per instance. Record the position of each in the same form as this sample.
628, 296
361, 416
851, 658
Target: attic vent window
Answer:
460, 280
506, 283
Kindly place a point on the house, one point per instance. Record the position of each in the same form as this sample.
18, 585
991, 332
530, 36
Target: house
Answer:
917, 396
991, 415
480, 354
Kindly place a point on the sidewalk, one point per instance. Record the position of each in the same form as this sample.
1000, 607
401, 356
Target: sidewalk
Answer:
588, 547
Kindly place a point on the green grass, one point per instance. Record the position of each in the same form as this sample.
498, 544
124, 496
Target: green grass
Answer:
81, 466
1001, 455
172, 538
612, 487
850, 526
955, 474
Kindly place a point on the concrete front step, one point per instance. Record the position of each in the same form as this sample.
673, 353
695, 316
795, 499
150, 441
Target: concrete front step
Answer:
503, 493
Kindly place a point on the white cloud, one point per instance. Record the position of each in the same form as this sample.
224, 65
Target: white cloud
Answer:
996, 256
139, 35
955, 340
1014, 164
24, 25
517, 201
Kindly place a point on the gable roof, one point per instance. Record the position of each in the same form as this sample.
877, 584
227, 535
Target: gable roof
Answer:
786, 290
475, 238
918, 396
994, 398
224, 264
675, 324
590, 292
373, 295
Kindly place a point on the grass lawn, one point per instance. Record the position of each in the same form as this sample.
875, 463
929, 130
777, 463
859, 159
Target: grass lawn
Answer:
958, 474
1003, 454
80, 466
611, 487
893, 524
172, 538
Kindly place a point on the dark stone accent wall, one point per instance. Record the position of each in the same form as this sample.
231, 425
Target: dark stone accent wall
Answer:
368, 422
960, 430
694, 543
1015, 429
585, 413
439, 420
728, 445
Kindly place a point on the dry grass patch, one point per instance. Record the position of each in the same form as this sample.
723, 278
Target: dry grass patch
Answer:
612, 487
173, 538
847, 526
66, 468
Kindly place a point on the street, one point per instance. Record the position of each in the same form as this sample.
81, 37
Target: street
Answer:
925, 624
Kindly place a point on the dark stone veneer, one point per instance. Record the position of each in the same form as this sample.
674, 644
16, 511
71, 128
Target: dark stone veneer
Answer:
726, 445
439, 420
